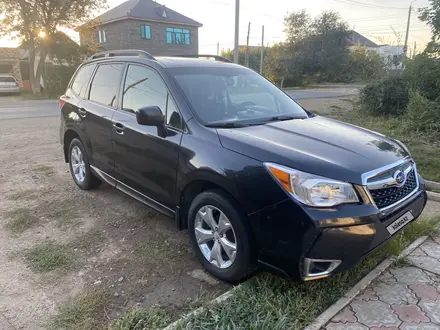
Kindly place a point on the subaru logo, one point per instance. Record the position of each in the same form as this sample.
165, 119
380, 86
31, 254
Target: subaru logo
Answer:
400, 177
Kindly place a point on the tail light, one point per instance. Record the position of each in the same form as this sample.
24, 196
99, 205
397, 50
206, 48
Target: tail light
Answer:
62, 101
16, 84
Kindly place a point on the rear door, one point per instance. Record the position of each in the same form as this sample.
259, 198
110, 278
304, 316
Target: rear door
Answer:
97, 112
71, 103
145, 161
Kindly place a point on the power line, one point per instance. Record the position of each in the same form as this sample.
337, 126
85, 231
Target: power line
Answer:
365, 5
374, 5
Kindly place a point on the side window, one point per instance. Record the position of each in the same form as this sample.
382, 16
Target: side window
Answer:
82, 78
105, 84
174, 119
143, 87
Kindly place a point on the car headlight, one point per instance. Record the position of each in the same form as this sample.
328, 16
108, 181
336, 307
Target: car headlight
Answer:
311, 189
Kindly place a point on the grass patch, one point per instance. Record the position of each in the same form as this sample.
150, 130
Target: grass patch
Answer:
160, 250
154, 318
48, 257
157, 317
20, 220
89, 240
44, 169
410, 233
24, 194
86, 311
65, 213
424, 147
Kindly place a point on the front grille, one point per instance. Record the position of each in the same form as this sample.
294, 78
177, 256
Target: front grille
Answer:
388, 196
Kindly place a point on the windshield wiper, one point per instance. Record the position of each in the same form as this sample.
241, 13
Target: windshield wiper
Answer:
226, 125
284, 117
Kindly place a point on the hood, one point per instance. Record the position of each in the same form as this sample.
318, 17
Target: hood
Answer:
315, 145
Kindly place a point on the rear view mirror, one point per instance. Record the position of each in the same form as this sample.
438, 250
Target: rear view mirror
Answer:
150, 116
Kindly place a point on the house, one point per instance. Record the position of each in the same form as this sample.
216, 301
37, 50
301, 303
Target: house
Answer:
391, 55
143, 24
10, 62
357, 39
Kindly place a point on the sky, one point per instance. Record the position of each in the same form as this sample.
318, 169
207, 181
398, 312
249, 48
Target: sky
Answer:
375, 19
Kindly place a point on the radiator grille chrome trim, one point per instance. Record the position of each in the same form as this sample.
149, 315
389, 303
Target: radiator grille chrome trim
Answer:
375, 185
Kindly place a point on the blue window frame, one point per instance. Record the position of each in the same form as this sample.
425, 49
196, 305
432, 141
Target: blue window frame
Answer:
178, 36
145, 32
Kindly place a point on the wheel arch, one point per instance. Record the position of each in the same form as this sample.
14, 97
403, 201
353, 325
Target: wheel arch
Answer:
69, 135
196, 184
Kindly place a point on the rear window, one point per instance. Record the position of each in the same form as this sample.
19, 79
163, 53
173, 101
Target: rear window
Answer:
7, 79
82, 78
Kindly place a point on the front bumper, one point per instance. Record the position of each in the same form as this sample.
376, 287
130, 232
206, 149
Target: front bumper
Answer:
319, 243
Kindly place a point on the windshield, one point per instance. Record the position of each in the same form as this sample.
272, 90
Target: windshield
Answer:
234, 96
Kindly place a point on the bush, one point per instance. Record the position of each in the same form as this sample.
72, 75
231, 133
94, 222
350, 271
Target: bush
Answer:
388, 96
56, 80
422, 113
423, 75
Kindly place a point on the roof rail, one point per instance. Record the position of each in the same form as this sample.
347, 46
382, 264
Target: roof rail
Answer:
215, 57
127, 52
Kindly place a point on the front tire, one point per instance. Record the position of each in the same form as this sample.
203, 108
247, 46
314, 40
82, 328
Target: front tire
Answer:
220, 236
80, 166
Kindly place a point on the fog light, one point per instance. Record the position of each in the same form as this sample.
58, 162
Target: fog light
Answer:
314, 269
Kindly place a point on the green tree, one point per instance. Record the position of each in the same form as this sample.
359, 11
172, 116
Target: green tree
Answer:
431, 16
35, 24
364, 65
297, 26
254, 56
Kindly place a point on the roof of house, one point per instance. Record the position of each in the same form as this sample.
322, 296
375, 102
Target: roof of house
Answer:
7, 54
146, 10
358, 39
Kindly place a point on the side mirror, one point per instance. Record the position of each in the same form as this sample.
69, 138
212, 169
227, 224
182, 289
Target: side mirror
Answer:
150, 116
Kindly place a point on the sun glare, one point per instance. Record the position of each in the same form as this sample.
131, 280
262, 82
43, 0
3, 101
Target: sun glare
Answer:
42, 34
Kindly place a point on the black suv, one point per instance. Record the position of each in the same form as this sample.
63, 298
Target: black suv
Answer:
252, 175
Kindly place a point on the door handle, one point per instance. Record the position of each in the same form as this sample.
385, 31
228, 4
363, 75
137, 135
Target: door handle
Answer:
119, 128
82, 112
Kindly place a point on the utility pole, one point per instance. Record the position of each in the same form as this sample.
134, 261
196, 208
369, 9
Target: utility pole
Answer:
262, 50
237, 27
218, 48
405, 48
246, 58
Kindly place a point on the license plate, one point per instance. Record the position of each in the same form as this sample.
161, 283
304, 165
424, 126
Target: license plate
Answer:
400, 223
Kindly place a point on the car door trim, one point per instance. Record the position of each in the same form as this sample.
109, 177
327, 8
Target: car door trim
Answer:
134, 193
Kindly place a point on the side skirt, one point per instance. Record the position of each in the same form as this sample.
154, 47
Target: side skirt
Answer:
134, 193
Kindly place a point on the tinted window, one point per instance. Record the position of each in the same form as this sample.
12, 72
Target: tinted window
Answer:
234, 94
105, 84
143, 87
82, 78
7, 79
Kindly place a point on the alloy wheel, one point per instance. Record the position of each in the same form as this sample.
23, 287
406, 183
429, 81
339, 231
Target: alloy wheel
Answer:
78, 164
215, 236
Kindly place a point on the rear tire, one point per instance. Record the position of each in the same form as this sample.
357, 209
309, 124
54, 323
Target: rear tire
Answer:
229, 231
80, 166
